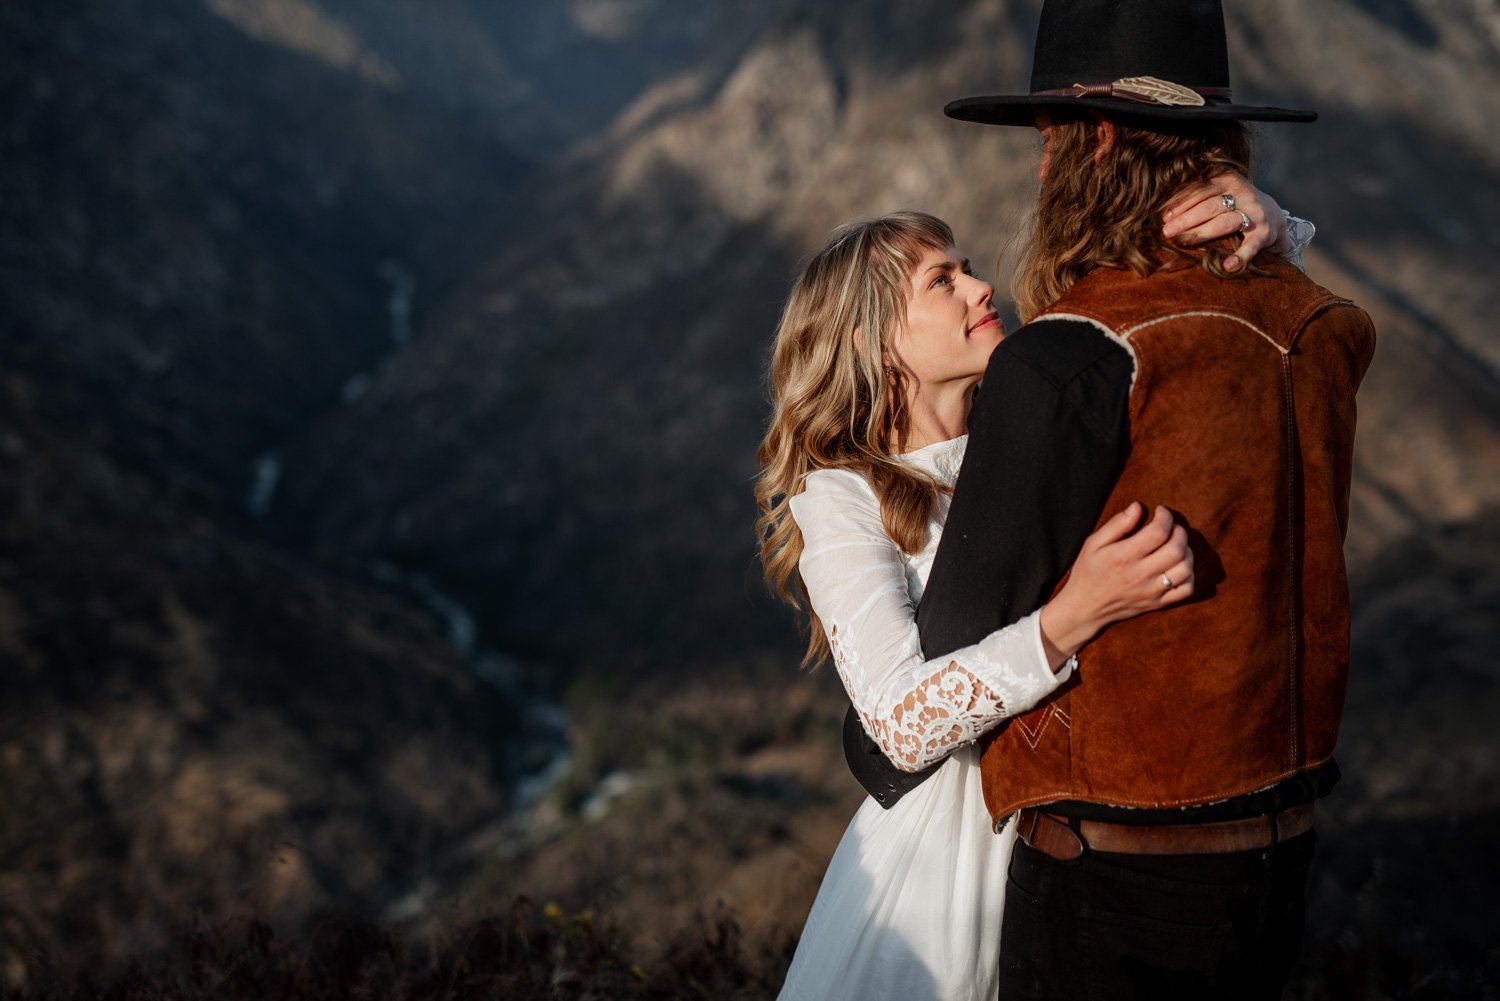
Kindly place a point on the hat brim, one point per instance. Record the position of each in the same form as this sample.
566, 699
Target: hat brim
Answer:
1021, 109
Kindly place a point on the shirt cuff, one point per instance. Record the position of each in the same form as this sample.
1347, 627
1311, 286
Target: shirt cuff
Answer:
1033, 625
1300, 233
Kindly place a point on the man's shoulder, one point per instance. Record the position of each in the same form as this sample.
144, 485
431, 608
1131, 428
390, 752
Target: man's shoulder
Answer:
1066, 362
1063, 347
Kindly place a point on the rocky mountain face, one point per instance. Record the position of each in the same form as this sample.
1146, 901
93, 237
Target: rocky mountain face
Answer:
482, 292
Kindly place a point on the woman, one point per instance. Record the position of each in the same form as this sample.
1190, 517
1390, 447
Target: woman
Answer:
879, 350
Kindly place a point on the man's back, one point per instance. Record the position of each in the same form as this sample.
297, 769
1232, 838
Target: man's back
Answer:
1241, 420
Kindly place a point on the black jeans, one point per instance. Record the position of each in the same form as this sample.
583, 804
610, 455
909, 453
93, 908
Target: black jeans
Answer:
1110, 927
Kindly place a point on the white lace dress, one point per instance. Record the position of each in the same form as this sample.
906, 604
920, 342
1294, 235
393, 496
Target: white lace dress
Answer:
910, 904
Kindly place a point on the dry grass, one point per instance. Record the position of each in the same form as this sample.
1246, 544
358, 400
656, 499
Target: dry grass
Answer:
531, 952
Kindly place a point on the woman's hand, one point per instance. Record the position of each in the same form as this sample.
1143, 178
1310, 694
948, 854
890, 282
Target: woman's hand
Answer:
1120, 573
1202, 215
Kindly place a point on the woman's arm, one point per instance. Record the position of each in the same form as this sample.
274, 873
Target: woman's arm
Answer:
917, 710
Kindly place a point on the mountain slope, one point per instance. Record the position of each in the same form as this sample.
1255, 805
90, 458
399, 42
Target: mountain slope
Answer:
586, 407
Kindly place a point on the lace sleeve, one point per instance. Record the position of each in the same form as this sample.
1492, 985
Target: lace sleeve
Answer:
1300, 232
918, 711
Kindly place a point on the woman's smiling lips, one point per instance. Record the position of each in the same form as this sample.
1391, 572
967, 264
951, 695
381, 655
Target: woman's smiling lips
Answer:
992, 320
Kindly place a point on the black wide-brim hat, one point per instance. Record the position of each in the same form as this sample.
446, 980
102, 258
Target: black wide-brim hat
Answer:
1146, 58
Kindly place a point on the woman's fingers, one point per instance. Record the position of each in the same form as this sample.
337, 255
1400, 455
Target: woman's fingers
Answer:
1184, 221
1267, 223
1166, 571
1227, 205
1181, 582
1118, 527
1213, 218
1173, 551
1189, 200
1149, 538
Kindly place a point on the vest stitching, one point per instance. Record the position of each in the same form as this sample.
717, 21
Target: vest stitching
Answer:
1034, 737
1130, 331
1293, 668
1312, 313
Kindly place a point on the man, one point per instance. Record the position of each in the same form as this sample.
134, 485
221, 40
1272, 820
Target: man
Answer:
1164, 798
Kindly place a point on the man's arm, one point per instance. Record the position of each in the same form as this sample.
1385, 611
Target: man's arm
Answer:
1047, 438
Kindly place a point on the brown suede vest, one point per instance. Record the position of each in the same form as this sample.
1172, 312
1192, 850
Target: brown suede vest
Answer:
1242, 422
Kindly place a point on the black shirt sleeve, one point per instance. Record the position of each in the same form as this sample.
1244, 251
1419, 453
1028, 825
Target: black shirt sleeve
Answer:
1047, 437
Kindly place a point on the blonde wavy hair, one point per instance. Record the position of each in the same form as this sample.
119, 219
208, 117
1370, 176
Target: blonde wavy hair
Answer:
835, 404
1105, 212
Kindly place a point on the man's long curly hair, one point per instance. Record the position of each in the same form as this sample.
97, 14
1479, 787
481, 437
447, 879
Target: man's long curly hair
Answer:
835, 404
1106, 211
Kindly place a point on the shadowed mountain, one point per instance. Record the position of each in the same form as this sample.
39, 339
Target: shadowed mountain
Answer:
209, 213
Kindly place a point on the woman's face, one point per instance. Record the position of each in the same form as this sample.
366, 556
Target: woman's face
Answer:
951, 328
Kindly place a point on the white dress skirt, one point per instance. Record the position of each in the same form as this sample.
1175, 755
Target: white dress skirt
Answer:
910, 905
911, 902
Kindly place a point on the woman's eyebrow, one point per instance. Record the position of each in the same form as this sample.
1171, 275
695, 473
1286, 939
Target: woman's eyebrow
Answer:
962, 265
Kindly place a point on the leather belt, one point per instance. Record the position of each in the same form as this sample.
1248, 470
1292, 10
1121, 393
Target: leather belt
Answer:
1068, 838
